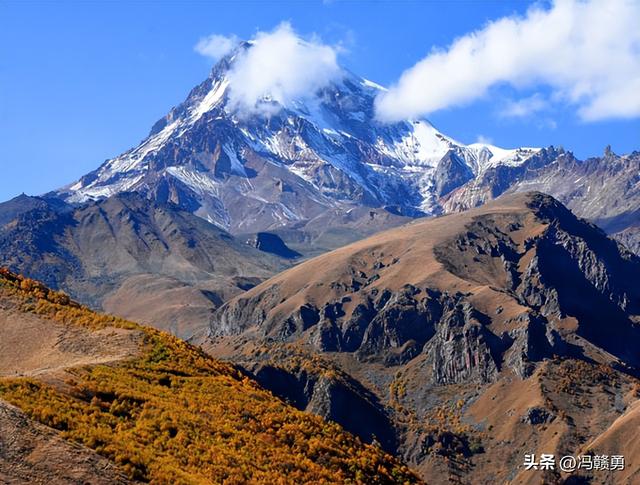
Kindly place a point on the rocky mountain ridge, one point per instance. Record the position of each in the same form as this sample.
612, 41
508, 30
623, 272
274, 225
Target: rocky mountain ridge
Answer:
604, 190
445, 310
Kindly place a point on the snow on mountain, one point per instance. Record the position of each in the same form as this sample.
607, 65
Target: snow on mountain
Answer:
249, 173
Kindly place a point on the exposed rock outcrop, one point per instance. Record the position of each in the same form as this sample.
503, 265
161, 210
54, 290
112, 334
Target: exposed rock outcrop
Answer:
334, 396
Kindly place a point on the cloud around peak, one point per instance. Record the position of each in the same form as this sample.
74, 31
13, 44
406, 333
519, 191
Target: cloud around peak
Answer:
278, 67
586, 52
216, 46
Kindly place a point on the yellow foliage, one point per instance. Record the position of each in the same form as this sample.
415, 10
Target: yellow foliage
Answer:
175, 415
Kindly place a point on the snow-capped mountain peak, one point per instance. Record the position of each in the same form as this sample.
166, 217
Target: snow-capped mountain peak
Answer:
292, 161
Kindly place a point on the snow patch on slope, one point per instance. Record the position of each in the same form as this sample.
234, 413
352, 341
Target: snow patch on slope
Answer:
210, 100
200, 182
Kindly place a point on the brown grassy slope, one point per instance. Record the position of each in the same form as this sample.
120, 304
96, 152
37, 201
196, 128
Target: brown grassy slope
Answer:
172, 414
31, 345
406, 256
535, 283
581, 403
621, 438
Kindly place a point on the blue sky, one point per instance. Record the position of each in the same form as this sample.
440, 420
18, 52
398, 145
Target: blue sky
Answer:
84, 81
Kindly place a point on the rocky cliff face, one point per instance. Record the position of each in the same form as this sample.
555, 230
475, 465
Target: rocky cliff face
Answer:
452, 305
323, 389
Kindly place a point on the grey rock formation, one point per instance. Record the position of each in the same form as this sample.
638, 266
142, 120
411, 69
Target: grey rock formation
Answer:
338, 398
538, 415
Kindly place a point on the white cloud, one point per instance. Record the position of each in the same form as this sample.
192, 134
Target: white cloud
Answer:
216, 46
278, 67
484, 140
524, 107
587, 52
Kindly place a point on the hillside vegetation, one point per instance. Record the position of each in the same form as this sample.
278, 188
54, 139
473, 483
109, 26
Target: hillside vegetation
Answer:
175, 415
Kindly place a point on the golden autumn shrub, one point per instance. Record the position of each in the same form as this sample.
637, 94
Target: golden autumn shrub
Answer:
175, 415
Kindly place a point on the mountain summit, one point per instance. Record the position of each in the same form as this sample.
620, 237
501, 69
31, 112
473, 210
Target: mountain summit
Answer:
291, 162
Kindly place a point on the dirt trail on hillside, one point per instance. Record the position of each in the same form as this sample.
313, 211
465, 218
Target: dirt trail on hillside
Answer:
31, 345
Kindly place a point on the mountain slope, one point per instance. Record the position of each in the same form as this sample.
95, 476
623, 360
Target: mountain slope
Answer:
251, 173
163, 411
441, 319
511, 251
133, 257
313, 164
